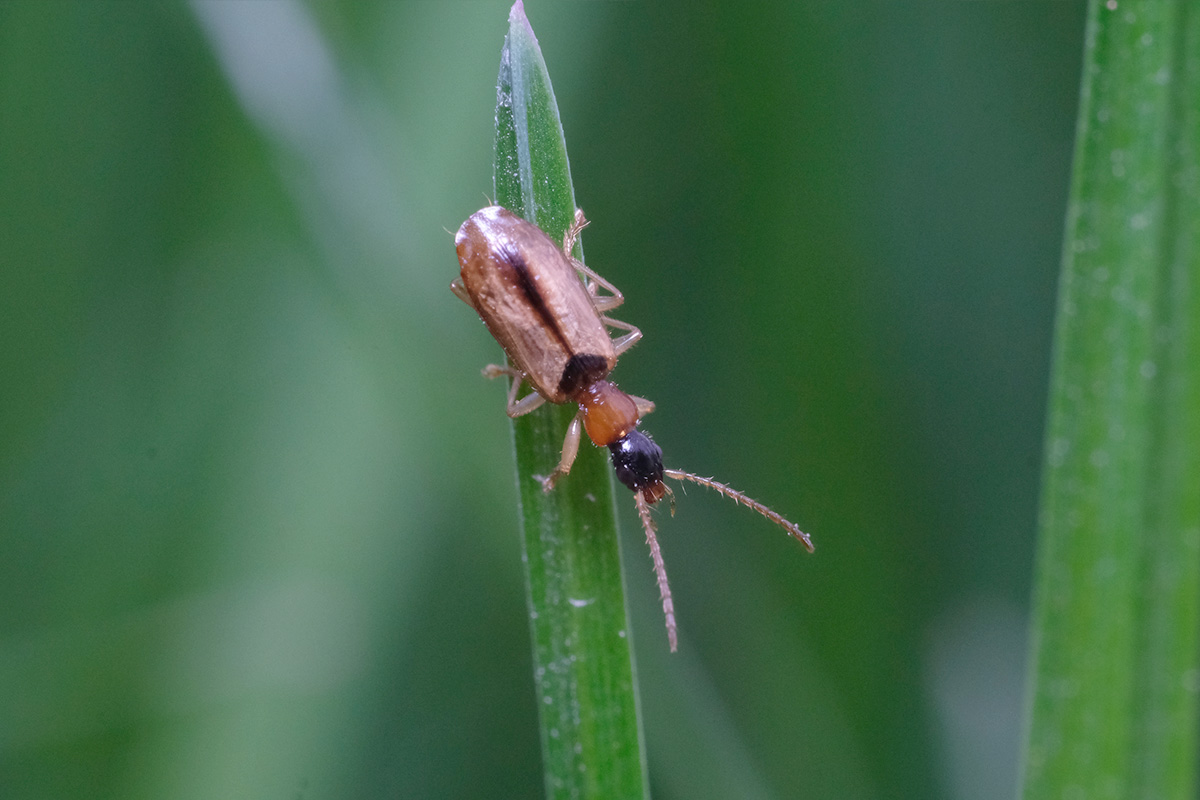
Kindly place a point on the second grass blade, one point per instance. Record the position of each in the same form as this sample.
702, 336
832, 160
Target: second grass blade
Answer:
1113, 705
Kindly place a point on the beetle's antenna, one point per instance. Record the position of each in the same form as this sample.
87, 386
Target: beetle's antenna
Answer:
733, 494
660, 571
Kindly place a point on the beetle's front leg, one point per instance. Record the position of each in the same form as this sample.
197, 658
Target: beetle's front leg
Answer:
570, 449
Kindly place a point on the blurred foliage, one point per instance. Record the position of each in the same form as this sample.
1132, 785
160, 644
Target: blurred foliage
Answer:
258, 532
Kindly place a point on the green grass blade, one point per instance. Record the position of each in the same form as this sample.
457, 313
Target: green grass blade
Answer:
583, 666
1114, 683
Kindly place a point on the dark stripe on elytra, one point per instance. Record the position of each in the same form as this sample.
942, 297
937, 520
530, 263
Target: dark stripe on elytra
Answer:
582, 369
520, 270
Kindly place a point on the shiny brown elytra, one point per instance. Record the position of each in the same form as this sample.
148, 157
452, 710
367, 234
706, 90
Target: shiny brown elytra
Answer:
552, 324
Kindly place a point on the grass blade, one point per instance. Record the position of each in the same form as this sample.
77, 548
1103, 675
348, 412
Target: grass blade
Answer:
1114, 684
583, 666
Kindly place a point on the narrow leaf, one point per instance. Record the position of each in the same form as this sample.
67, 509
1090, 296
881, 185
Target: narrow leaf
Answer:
1114, 683
583, 667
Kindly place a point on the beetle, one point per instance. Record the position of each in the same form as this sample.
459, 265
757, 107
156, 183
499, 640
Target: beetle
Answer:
553, 325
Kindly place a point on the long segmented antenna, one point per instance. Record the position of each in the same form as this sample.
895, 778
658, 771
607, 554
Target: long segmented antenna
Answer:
660, 570
733, 494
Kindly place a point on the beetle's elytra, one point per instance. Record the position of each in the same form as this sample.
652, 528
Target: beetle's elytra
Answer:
532, 301
552, 324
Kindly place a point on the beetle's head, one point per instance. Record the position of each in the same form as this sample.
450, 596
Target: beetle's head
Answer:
638, 462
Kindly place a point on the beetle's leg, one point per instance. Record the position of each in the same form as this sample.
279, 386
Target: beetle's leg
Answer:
602, 302
528, 403
572, 234
644, 406
593, 281
494, 371
570, 449
625, 341
569, 238
515, 407
460, 291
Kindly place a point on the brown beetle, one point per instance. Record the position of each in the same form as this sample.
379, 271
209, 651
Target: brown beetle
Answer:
552, 325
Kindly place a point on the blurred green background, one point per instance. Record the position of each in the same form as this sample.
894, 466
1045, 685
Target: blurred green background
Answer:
258, 534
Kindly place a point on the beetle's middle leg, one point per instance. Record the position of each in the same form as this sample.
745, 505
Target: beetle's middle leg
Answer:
602, 302
626, 340
515, 407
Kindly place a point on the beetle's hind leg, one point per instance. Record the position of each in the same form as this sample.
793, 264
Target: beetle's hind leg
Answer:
460, 292
572, 234
592, 281
515, 407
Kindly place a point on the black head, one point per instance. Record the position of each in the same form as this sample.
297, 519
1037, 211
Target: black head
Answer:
638, 462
